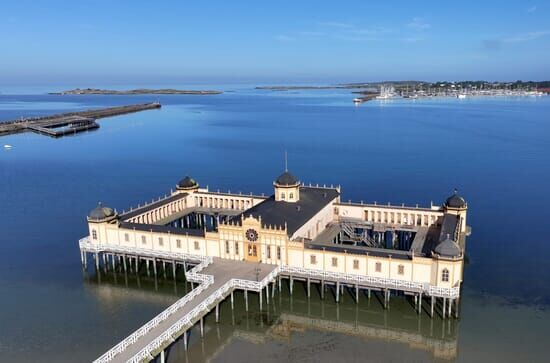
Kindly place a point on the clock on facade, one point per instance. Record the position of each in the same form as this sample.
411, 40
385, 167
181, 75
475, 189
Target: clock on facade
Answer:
251, 235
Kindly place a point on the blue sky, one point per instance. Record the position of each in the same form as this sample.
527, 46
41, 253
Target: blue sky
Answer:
282, 41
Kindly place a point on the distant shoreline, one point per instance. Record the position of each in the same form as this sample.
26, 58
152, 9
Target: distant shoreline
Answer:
141, 91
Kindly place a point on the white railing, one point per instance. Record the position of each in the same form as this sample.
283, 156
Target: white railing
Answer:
377, 281
191, 275
431, 290
86, 245
449, 292
190, 318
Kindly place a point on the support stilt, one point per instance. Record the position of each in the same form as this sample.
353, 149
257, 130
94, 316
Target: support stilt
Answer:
432, 307
246, 300
337, 291
174, 269
232, 301
185, 340
202, 327
217, 313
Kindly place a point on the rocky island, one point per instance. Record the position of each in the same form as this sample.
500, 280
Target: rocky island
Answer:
140, 91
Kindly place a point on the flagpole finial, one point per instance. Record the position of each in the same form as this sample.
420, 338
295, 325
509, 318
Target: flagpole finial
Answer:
286, 162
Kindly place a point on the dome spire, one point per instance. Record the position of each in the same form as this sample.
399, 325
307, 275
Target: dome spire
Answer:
286, 162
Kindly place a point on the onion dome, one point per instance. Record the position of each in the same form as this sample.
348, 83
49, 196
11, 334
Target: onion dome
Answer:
101, 213
448, 248
286, 180
455, 201
187, 183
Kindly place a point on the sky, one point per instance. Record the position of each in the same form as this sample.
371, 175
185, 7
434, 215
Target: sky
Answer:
142, 42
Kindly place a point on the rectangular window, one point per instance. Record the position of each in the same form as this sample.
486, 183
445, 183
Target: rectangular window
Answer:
268, 251
236, 248
445, 275
313, 259
378, 267
178, 243
278, 252
197, 247
143, 239
161, 242
227, 247
335, 262
126, 237
401, 270
94, 234
356, 264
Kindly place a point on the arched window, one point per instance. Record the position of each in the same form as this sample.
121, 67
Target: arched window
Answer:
291, 196
94, 234
401, 269
282, 195
445, 275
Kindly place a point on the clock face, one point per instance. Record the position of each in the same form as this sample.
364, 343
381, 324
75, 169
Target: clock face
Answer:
251, 235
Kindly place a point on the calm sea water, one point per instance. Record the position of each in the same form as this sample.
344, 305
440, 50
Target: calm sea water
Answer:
496, 151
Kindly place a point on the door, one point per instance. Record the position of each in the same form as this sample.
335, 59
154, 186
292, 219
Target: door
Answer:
252, 252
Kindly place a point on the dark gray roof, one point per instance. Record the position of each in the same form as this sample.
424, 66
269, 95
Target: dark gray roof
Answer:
449, 225
162, 229
295, 215
187, 182
448, 248
455, 201
100, 212
286, 179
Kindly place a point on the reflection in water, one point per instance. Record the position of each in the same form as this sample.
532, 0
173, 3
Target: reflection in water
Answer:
280, 321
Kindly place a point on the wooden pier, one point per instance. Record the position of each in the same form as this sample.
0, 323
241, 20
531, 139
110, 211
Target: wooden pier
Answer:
71, 122
218, 278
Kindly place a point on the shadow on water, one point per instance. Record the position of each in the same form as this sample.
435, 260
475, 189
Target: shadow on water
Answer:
273, 330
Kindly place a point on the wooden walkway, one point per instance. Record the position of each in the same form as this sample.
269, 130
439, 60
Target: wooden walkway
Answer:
77, 121
220, 278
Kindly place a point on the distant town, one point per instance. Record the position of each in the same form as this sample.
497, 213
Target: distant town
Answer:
419, 89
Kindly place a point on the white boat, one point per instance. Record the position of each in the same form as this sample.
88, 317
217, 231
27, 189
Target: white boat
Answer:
6, 146
386, 92
461, 96
357, 100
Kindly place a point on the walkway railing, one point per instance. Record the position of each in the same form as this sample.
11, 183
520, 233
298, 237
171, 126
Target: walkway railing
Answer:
86, 245
200, 310
374, 281
191, 275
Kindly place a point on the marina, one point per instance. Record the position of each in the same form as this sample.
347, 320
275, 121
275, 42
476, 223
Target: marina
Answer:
302, 233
